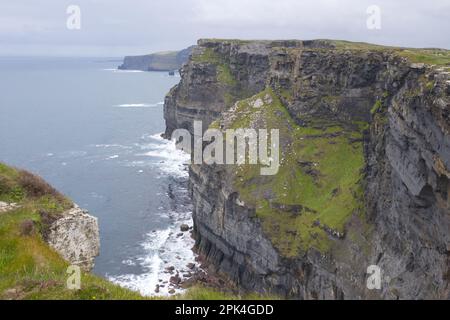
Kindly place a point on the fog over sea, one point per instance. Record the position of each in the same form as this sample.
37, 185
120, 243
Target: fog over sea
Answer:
93, 132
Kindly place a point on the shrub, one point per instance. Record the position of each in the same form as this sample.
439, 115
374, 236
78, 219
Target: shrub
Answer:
10, 191
27, 227
36, 187
47, 220
5, 185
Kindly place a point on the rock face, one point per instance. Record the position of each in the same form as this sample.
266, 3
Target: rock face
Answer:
405, 227
408, 188
75, 236
160, 61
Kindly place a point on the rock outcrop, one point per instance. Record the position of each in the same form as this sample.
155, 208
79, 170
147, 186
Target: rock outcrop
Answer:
75, 236
7, 206
159, 61
394, 112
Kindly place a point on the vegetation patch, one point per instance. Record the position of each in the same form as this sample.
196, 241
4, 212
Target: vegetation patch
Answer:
206, 293
318, 186
376, 107
431, 56
224, 75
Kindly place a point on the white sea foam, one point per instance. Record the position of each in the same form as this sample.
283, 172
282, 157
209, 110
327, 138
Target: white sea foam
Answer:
163, 154
173, 161
72, 154
113, 145
96, 195
162, 249
122, 71
167, 247
128, 71
129, 262
139, 105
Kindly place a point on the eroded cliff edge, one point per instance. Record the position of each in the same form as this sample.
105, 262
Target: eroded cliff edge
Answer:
75, 236
364, 176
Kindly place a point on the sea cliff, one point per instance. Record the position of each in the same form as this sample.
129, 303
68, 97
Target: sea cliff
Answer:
364, 174
159, 61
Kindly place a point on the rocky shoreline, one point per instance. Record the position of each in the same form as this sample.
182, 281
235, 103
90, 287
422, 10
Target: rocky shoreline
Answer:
198, 272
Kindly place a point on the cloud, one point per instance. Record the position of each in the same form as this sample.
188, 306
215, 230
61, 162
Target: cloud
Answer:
22, 26
268, 13
140, 26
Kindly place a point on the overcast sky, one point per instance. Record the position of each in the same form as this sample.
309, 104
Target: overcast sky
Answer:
126, 27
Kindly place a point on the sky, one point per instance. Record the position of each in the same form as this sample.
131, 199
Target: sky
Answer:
114, 28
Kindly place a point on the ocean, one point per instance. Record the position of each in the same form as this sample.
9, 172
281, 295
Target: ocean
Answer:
93, 132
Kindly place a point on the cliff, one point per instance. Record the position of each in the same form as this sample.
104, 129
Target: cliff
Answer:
364, 172
159, 61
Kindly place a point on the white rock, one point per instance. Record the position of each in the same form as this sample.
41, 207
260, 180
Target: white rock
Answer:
417, 66
268, 99
75, 236
258, 103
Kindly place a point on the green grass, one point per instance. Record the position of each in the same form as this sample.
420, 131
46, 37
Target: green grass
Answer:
439, 57
320, 170
163, 61
35, 271
430, 56
227, 41
10, 190
286, 94
204, 293
349, 45
376, 107
208, 55
225, 76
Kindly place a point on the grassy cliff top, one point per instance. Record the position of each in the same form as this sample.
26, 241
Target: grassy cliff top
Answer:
430, 56
318, 187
